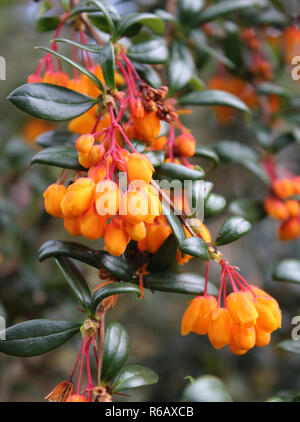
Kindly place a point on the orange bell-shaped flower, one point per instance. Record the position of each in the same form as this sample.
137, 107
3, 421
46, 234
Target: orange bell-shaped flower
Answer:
219, 327
242, 309
78, 198
53, 197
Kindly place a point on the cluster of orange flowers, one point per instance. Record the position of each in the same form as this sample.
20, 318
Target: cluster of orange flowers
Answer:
281, 207
247, 318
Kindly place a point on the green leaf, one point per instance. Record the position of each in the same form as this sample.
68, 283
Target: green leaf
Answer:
178, 282
104, 7
207, 152
232, 229
206, 389
148, 74
251, 209
50, 102
174, 222
77, 66
75, 280
134, 376
35, 337
180, 172
233, 45
288, 345
91, 48
156, 157
287, 270
271, 88
54, 138
115, 265
139, 146
247, 157
110, 290
181, 66
64, 156
214, 204
213, 97
107, 60
47, 23
165, 257
223, 8
188, 10
153, 51
116, 349
195, 246
154, 22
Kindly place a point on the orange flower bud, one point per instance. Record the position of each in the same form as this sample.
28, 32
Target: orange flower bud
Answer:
139, 168
289, 229
263, 338
235, 349
77, 398
219, 327
96, 154
78, 198
137, 231
159, 143
115, 237
283, 188
72, 226
186, 144
84, 143
53, 197
293, 207
107, 198
291, 43
190, 316
84, 159
156, 235
92, 224
275, 208
206, 305
97, 173
122, 164
61, 392
147, 127
244, 338
242, 309
296, 185
134, 206
269, 314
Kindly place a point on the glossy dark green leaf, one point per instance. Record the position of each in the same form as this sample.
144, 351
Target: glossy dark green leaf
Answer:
232, 229
105, 8
100, 22
180, 172
188, 10
178, 282
251, 209
233, 45
107, 60
271, 88
223, 8
153, 22
214, 204
58, 248
290, 346
134, 376
207, 152
64, 156
35, 337
174, 222
165, 257
116, 349
110, 290
287, 270
195, 246
244, 155
115, 265
153, 51
213, 97
76, 65
206, 389
47, 23
91, 48
53, 138
50, 102
75, 280
139, 146
148, 74
181, 66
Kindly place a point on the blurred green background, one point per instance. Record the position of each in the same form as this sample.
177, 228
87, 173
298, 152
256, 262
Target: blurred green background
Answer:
29, 289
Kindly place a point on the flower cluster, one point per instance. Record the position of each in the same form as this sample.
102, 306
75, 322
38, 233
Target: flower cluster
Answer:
247, 318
